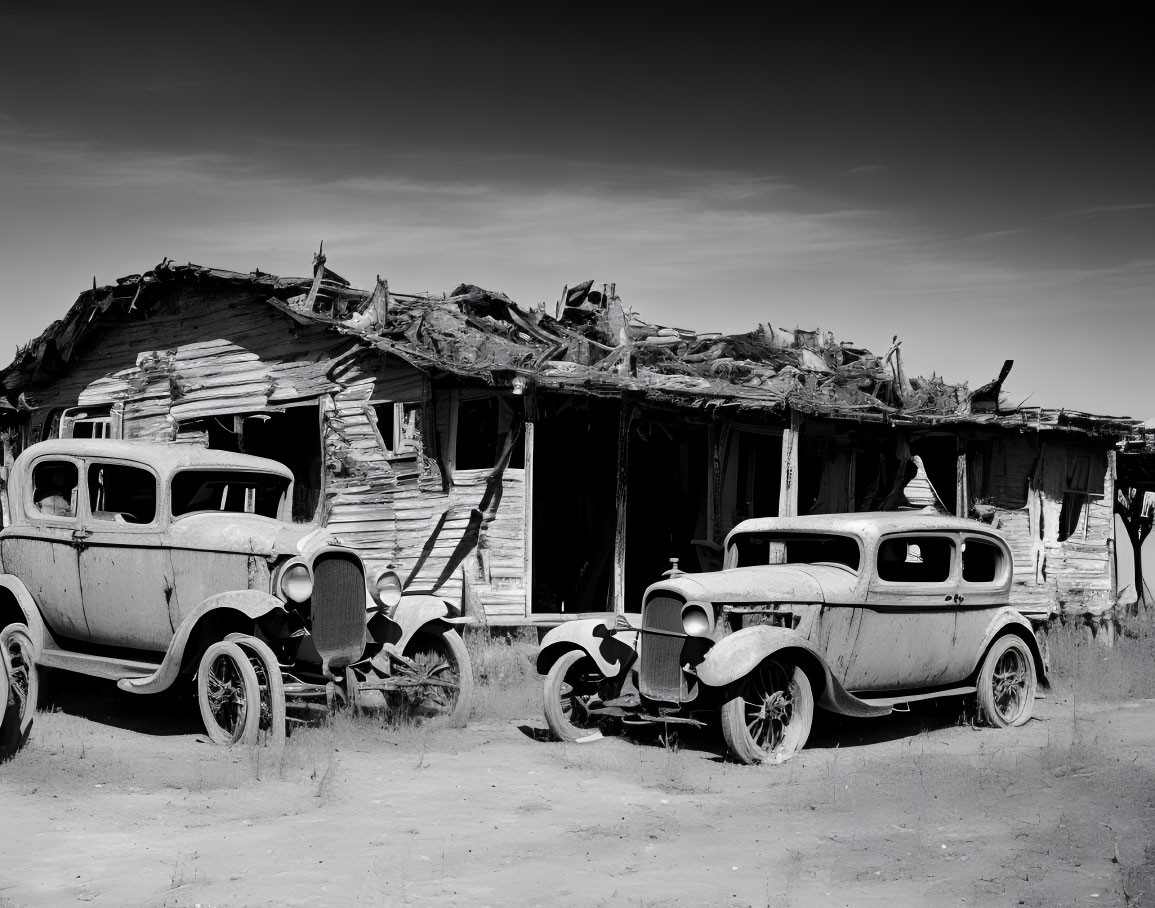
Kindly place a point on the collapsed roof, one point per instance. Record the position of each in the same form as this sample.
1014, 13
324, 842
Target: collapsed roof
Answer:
591, 342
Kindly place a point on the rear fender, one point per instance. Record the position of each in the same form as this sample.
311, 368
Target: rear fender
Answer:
252, 604
612, 649
735, 656
13, 585
1011, 621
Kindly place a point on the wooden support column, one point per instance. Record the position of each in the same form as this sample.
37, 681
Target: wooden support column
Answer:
528, 429
788, 497
619, 589
1112, 551
961, 492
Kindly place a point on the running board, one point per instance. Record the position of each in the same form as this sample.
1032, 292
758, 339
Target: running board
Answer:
95, 666
911, 698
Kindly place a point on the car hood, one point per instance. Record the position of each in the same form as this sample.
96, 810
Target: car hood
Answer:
764, 583
249, 533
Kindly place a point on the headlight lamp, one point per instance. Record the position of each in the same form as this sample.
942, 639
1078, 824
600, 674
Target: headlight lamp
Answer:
697, 619
388, 589
297, 583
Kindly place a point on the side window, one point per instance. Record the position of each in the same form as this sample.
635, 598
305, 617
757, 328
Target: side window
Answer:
982, 562
121, 494
915, 559
54, 488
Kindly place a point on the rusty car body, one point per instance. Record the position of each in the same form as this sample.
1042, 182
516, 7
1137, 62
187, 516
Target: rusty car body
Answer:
148, 563
855, 613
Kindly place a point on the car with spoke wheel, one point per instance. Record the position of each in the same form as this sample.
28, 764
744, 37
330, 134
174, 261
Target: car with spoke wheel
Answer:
155, 564
856, 614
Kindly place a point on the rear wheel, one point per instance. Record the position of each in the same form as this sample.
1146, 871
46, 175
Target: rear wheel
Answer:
23, 688
571, 687
768, 716
442, 673
271, 725
1007, 683
229, 695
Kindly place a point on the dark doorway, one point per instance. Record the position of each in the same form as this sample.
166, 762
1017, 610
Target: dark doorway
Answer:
575, 459
666, 503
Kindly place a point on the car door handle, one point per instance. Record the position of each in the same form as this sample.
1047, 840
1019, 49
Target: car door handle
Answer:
949, 598
958, 598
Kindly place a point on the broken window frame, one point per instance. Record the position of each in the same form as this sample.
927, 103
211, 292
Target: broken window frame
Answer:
118, 516
105, 421
32, 502
403, 440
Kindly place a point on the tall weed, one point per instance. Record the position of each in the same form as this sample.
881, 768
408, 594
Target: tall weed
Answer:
1103, 669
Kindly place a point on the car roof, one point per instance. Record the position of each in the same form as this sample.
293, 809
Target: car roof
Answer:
867, 523
164, 458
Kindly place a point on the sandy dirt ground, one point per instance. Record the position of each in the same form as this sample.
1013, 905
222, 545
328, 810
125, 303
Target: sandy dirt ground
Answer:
916, 809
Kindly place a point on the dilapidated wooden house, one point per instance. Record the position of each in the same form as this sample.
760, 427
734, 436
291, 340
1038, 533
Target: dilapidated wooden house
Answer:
533, 465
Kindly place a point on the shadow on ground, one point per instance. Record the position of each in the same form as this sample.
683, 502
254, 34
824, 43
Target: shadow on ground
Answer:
173, 712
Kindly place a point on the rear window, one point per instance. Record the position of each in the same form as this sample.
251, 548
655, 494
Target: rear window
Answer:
982, 561
795, 548
915, 559
234, 491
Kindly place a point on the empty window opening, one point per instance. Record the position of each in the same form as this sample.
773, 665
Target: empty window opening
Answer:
483, 427
915, 559
291, 437
86, 422
1075, 496
982, 562
54, 485
400, 428
120, 493
236, 491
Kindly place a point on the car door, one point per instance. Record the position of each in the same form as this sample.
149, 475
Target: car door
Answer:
905, 626
42, 550
125, 568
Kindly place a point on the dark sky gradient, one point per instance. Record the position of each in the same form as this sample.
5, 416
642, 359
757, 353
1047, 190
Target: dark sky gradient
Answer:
976, 181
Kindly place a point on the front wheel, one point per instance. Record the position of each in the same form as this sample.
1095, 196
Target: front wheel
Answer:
441, 670
1007, 683
573, 685
270, 686
228, 694
19, 706
767, 718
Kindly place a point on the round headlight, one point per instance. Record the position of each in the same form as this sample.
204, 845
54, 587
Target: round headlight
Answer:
297, 583
696, 620
388, 589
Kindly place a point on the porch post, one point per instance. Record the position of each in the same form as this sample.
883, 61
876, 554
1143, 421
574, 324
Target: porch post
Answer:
788, 496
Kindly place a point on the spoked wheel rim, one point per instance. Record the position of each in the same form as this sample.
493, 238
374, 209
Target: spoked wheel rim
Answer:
228, 694
768, 700
1009, 684
22, 678
579, 691
437, 676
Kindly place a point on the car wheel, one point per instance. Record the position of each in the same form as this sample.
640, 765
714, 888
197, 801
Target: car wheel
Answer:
442, 673
271, 726
1007, 683
23, 687
571, 687
228, 694
768, 716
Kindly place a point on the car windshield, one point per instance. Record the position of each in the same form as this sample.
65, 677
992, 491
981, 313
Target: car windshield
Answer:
748, 549
236, 491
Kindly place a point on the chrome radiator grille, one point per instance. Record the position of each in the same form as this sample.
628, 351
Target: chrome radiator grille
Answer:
338, 609
659, 662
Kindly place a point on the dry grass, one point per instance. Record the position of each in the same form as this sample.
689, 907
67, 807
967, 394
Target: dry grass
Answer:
505, 673
1095, 668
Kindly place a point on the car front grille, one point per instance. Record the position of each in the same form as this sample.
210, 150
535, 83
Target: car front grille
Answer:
659, 662
338, 609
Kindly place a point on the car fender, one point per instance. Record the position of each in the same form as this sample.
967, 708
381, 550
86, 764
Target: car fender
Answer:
24, 601
1011, 620
252, 604
413, 613
612, 647
738, 654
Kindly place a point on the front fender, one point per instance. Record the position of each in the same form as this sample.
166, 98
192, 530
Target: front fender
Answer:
613, 652
251, 603
412, 613
24, 601
737, 655
1011, 620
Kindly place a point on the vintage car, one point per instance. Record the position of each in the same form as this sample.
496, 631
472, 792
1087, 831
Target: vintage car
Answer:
855, 613
149, 563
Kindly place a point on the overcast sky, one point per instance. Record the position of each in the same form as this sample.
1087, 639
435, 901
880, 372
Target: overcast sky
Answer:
976, 182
